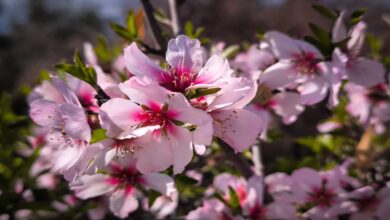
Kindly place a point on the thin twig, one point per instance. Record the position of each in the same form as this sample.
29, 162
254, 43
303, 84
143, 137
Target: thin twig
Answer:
175, 23
157, 32
241, 163
257, 160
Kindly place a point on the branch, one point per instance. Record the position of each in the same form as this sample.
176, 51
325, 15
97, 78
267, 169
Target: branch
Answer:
174, 17
257, 160
241, 163
149, 11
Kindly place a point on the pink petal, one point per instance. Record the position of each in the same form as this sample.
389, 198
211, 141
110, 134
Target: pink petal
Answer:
358, 35
68, 155
339, 29
254, 59
122, 203
255, 191
66, 92
144, 91
288, 106
46, 113
184, 53
304, 179
281, 210
239, 128
140, 65
279, 75
181, 144
76, 124
160, 182
365, 72
282, 46
237, 93
216, 68
121, 112
154, 156
188, 114
89, 186
313, 90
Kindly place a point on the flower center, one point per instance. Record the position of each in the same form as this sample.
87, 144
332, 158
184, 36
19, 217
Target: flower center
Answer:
180, 80
124, 175
368, 203
323, 196
305, 63
257, 212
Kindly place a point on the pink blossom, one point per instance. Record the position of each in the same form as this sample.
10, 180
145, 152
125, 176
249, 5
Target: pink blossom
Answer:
120, 184
359, 70
300, 66
167, 115
186, 67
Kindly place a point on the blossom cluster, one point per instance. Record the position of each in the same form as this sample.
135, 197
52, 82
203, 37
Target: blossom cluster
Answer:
153, 120
305, 194
129, 130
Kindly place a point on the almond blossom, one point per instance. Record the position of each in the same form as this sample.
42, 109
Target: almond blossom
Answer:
185, 65
176, 126
121, 183
359, 70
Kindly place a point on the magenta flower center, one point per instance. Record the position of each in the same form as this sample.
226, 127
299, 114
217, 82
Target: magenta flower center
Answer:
369, 203
180, 79
257, 212
323, 196
128, 176
305, 63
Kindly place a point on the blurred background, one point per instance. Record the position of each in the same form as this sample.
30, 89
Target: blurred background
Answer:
36, 34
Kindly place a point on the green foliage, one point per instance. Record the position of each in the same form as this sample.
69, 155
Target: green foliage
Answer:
129, 32
357, 15
234, 202
79, 70
327, 12
375, 45
98, 135
190, 31
198, 92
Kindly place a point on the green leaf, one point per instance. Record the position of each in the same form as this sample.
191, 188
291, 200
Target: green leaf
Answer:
375, 45
131, 24
198, 92
358, 13
152, 196
325, 11
185, 180
234, 202
189, 28
121, 31
98, 135
69, 68
321, 34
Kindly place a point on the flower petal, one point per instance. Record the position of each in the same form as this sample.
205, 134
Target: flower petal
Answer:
288, 106
154, 156
140, 65
76, 124
313, 90
143, 91
279, 75
365, 72
239, 128
46, 113
121, 112
216, 68
160, 182
185, 53
89, 186
123, 202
